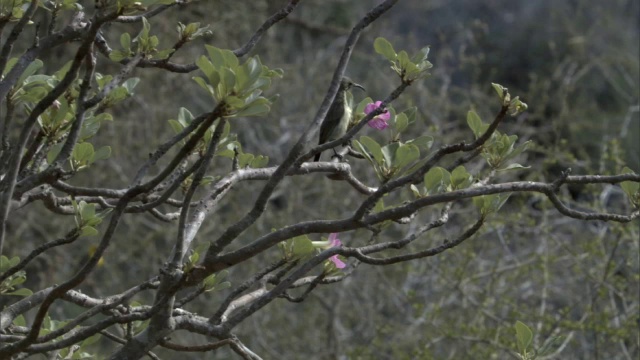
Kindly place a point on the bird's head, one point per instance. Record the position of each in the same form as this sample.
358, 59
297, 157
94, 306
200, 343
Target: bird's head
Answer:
347, 84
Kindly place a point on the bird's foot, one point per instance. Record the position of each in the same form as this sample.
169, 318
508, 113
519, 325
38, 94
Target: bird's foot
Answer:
338, 157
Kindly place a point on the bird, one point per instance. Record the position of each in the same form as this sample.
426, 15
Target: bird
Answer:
336, 122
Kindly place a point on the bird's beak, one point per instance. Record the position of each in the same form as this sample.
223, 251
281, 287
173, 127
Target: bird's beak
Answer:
359, 86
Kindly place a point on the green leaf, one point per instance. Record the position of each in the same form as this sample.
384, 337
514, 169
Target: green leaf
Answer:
229, 79
103, 117
5, 263
490, 203
259, 161
360, 148
125, 41
87, 211
185, 117
32, 95
62, 72
83, 152
94, 221
20, 321
59, 114
254, 109
242, 78
518, 150
384, 48
210, 71
513, 167
20, 292
247, 74
244, 160
392, 115
302, 247
146, 27
14, 261
226, 130
130, 84
261, 83
90, 340
209, 282
475, 123
88, 231
223, 285
30, 70
45, 80
404, 61
524, 336
517, 106
421, 55
214, 281
118, 94
235, 102
373, 147
401, 122
205, 86
153, 42
216, 56
230, 59
296, 248
163, 54
201, 31
10, 64
437, 179
424, 142
550, 345
411, 114
91, 126
499, 200
102, 153
227, 150
416, 192
103, 80
53, 152
499, 90
460, 178
389, 153
412, 71
507, 144
406, 154
176, 126
190, 29
17, 279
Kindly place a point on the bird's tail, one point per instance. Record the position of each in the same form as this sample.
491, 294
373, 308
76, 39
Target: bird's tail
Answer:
317, 157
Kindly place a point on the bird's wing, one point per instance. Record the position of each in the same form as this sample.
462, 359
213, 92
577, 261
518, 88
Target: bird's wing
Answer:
328, 127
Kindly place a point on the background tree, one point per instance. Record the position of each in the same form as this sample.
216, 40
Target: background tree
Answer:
210, 222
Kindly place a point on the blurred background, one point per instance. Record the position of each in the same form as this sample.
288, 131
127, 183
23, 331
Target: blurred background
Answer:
575, 63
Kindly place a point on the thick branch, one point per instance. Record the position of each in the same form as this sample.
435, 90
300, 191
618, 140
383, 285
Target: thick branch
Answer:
328, 226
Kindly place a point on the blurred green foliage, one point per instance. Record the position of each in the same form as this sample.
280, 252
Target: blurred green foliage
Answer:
575, 63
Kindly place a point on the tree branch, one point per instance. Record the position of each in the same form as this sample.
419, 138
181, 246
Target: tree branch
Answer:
293, 158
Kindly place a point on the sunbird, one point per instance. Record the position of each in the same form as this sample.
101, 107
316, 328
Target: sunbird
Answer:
335, 124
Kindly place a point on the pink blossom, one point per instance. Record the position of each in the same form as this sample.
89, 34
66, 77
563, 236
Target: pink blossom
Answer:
379, 122
337, 262
333, 238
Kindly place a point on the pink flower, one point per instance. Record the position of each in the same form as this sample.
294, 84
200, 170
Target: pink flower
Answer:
379, 122
337, 262
333, 238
